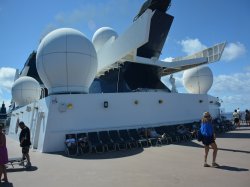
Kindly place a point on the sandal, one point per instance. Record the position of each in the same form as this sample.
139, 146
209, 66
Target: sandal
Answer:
215, 165
206, 165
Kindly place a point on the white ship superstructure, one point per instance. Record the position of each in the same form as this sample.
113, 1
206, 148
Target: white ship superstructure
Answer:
113, 82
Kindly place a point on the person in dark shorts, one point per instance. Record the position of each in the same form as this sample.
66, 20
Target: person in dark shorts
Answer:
208, 138
236, 117
247, 117
25, 143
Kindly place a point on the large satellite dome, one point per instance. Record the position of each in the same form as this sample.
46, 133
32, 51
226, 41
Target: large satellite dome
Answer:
102, 35
25, 90
198, 80
66, 61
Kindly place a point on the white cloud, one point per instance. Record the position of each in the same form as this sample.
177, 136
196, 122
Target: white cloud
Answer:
191, 46
50, 27
234, 83
233, 51
6, 81
233, 89
91, 25
6, 78
82, 16
92, 16
247, 68
232, 102
168, 59
76, 16
237, 101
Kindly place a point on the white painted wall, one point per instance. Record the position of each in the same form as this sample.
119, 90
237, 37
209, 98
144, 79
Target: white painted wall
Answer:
30, 118
62, 114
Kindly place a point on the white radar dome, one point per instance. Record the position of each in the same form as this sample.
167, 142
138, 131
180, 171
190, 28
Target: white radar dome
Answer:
25, 90
198, 80
101, 36
66, 61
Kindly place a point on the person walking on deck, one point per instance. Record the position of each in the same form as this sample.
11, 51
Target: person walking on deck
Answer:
25, 143
208, 138
240, 114
236, 117
3, 155
247, 117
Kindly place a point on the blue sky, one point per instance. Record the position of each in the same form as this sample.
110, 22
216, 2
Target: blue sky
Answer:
197, 24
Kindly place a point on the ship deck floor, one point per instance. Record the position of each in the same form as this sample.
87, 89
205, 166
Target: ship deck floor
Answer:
170, 165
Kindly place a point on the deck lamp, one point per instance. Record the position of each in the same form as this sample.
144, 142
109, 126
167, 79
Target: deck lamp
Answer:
105, 104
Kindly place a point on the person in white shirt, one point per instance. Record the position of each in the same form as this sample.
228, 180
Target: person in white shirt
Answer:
70, 141
240, 114
236, 117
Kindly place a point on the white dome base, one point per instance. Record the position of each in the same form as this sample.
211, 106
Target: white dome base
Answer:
66, 62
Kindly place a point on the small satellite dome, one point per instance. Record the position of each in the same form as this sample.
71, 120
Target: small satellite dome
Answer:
66, 61
198, 80
102, 35
25, 90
